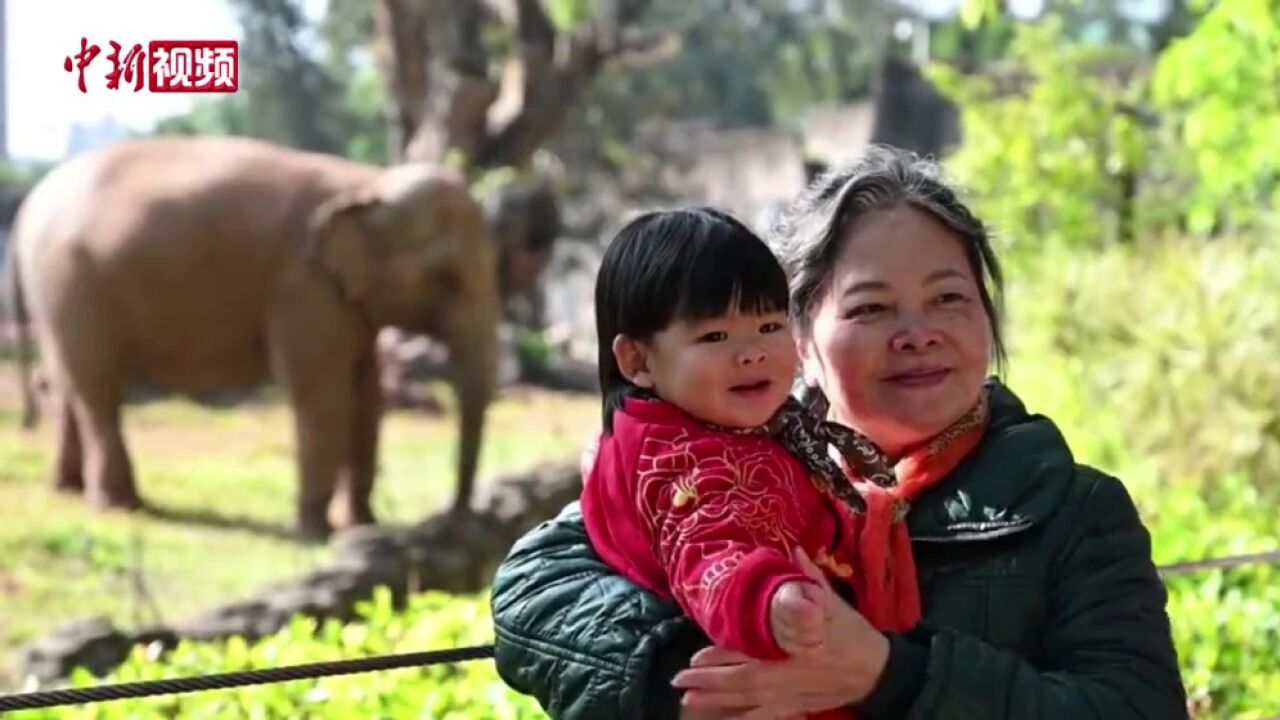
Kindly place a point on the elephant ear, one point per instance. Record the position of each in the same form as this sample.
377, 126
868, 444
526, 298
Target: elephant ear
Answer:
339, 244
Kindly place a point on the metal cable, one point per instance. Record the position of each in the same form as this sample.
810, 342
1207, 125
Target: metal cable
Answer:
98, 693
1218, 563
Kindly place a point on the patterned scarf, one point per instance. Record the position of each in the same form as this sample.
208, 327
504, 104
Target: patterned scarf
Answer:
878, 492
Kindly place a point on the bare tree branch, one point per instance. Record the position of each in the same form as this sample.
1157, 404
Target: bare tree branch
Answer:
495, 122
533, 27
546, 76
472, 91
404, 53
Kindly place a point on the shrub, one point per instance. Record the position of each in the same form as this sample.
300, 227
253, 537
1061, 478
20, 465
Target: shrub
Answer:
1085, 145
433, 620
1158, 365
1052, 140
1160, 358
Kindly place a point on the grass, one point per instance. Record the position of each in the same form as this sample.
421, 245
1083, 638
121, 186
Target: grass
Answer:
225, 481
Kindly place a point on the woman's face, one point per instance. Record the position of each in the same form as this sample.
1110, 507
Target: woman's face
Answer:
899, 341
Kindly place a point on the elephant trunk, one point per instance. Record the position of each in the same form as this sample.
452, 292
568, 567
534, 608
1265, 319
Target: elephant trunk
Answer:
473, 356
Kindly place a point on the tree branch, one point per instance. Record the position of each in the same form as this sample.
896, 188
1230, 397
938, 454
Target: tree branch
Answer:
473, 92
546, 75
533, 27
404, 54
494, 123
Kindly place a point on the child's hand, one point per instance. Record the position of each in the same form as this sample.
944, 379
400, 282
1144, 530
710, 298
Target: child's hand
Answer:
796, 618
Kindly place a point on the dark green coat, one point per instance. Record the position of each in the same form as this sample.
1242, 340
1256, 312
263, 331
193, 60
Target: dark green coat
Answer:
1040, 600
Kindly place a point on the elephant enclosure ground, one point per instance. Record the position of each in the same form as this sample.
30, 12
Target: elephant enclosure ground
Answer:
223, 483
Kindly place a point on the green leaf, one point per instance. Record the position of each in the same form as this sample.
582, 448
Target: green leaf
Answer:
973, 12
566, 14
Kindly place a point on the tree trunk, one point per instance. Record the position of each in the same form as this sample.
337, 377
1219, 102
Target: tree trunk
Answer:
403, 52
454, 106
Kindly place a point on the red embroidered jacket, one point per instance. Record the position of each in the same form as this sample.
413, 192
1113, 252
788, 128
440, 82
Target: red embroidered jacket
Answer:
709, 518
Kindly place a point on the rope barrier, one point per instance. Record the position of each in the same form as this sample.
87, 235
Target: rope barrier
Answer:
1219, 563
101, 693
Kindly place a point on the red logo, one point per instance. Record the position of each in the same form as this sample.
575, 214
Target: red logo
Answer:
169, 66
193, 66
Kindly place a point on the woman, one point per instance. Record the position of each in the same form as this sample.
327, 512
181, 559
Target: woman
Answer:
1033, 573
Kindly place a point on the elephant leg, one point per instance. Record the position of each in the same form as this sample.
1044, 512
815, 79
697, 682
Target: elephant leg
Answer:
108, 471
351, 502
323, 403
68, 475
323, 445
88, 386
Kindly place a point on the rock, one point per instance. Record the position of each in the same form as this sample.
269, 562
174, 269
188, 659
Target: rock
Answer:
161, 638
157, 641
449, 569
375, 556
238, 618
298, 600
449, 552
334, 593
94, 643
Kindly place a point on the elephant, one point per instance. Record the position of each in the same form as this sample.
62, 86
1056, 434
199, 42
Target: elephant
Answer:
197, 265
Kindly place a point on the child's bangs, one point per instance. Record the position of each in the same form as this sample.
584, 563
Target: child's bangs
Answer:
731, 278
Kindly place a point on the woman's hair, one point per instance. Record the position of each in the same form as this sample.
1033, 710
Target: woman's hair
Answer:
808, 236
685, 264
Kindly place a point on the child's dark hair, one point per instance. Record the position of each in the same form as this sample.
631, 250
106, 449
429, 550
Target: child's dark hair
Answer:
688, 264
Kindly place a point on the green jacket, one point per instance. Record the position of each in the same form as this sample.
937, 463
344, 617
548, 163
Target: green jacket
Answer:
1040, 598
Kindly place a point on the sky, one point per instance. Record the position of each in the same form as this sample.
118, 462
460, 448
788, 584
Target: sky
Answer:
44, 100
1146, 10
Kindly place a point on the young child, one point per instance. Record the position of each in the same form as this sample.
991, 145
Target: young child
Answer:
690, 492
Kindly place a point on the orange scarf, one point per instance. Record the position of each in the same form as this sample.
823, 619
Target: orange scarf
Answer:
887, 591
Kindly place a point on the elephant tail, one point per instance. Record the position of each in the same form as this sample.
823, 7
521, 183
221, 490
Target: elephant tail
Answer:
20, 321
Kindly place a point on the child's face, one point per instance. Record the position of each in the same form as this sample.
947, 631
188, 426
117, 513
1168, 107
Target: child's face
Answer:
735, 370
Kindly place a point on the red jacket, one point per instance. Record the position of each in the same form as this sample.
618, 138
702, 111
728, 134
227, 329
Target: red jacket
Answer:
709, 518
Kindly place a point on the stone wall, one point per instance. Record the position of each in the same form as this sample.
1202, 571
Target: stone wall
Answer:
569, 303
745, 171
456, 555
838, 134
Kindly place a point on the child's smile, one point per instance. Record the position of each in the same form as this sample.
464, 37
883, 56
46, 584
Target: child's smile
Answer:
734, 370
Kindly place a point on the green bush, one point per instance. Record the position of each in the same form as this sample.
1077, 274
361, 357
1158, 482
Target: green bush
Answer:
1156, 363
1226, 623
1216, 92
1159, 366
1226, 626
1086, 145
1052, 140
1162, 358
431, 621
